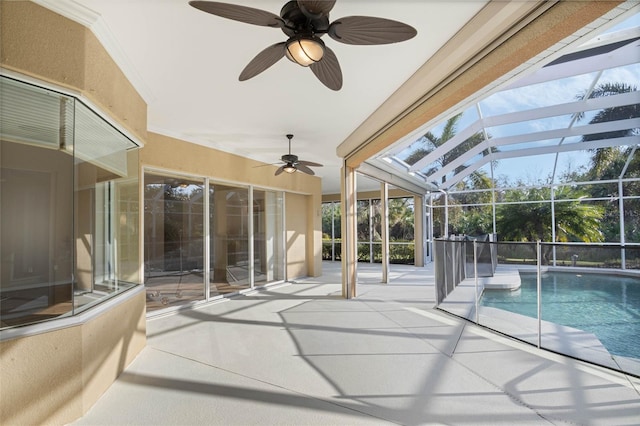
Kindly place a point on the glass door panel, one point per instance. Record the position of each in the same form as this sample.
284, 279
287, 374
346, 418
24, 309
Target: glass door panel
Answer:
174, 241
229, 241
268, 236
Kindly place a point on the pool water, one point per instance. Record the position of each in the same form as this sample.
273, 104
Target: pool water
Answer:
605, 305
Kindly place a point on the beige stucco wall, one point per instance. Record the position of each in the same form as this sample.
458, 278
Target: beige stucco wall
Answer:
314, 234
41, 378
109, 344
55, 377
295, 235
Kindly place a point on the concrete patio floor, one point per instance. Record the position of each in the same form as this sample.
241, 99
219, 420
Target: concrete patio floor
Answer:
299, 354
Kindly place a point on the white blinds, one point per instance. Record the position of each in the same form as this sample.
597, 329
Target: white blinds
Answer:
97, 142
33, 115
37, 116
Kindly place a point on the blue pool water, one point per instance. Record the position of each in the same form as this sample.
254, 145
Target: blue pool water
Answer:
607, 306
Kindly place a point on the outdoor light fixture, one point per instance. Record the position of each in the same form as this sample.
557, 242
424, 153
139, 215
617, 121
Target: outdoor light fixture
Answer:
289, 168
304, 49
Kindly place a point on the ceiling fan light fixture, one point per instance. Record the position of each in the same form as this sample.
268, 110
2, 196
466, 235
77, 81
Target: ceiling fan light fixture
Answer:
289, 168
304, 50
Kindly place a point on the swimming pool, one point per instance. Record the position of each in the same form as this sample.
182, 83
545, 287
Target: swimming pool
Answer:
605, 305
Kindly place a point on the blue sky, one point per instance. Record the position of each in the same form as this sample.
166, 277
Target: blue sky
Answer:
533, 169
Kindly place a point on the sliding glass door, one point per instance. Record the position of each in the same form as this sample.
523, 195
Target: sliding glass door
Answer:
189, 258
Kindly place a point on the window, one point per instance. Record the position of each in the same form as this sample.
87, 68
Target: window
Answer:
68, 206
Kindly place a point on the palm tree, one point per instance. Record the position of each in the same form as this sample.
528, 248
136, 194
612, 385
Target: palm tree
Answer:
607, 163
529, 217
462, 220
470, 212
605, 158
430, 142
401, 219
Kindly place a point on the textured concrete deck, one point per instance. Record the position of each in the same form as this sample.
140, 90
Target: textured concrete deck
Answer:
299, 354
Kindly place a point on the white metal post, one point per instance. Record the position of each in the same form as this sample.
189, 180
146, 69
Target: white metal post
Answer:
553, 222
333, 231
539, 291
384, 204
250, 230
475, 273
370, 230
622, 230
207, 239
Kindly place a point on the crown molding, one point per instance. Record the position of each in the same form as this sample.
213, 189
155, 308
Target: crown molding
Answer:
95, 23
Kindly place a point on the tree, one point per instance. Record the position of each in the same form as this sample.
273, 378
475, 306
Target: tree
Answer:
430, 142
401, 219
472, 220
607, 163
331, 216
527, 217
604, 158
473, 215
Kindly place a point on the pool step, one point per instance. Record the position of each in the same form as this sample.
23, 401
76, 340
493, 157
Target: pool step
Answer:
504, 278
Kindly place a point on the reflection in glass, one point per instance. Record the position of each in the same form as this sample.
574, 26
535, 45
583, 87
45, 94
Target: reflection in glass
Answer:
69, 206
268, 236
174, 235
37, 252
229, 241
105, 207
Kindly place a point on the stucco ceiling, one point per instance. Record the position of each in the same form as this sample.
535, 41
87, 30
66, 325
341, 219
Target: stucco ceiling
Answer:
185, 63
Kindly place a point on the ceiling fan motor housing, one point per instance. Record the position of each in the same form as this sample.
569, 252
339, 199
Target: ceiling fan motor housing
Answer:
297, 22
290, 158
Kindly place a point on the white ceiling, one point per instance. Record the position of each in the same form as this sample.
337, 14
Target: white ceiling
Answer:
185, 63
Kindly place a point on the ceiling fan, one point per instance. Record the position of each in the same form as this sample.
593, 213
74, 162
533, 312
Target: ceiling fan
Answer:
292, 163
304, 22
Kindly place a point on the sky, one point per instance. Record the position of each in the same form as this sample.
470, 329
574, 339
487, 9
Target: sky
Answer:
533, 169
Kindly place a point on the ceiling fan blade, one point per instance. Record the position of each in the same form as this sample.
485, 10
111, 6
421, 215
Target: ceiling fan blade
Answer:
280, 170
244, 14
265, 165
304, 169
263, 60
367, 30
319, 7
328, 70
309, 163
